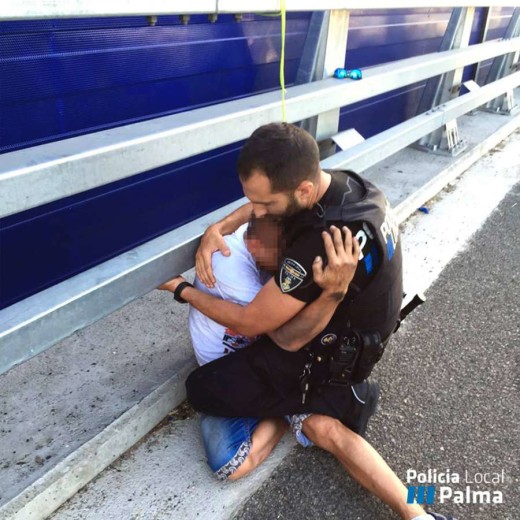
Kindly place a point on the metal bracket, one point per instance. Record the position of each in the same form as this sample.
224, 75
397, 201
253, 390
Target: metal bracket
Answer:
348, 138
470, 86
450, 142
455, 143
504, 105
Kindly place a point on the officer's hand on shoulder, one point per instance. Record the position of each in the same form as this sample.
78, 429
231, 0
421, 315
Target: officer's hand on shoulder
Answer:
211, 241
342, 258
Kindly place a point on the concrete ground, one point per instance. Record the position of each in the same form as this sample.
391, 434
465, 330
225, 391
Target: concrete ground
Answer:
57, 401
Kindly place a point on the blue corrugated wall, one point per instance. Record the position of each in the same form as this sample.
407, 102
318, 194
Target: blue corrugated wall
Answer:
64, 78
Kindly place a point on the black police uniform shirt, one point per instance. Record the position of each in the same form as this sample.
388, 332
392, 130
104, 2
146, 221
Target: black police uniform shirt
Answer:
304, 242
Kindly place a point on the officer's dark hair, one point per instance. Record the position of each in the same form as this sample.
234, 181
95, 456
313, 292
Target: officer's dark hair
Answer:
284, 153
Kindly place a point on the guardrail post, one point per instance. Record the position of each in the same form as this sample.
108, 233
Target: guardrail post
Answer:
486, 15
312, 61
443, 88
324, 51
503, 66
336, 50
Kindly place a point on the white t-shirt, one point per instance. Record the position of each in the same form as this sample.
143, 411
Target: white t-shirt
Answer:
238, 281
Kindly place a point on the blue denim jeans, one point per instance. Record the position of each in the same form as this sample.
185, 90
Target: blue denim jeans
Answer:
227, 442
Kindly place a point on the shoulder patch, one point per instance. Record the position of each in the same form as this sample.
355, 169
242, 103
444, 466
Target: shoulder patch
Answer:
292, 275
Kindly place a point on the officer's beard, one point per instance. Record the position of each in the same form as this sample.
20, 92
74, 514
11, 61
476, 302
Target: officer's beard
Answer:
292, 207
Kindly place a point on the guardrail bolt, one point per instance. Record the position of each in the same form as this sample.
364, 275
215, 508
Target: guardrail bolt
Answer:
213, 17
152, 20
184, 18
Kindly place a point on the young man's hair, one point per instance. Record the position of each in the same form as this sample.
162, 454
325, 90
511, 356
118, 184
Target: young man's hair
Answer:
267, 229
284, 153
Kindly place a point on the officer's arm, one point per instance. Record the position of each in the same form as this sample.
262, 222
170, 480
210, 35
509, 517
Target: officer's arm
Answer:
305, 326
334, 281
272, 308
267, 312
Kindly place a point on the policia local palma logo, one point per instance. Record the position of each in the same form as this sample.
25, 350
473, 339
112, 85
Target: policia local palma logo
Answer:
447, 486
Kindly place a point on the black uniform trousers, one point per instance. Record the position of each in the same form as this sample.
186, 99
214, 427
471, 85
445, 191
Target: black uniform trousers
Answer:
263, 380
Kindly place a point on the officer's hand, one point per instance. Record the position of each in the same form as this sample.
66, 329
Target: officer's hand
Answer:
211, 241
342, 256
172, 284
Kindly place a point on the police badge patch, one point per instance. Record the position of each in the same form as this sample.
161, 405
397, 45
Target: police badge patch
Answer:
292, 275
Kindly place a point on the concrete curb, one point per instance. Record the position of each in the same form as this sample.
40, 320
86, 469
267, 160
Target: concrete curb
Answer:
48, 493
62, 482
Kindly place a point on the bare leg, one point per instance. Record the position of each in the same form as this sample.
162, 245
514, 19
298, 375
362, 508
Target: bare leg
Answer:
266, 436
362, 462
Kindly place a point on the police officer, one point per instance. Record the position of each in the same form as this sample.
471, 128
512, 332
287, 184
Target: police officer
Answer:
280, 174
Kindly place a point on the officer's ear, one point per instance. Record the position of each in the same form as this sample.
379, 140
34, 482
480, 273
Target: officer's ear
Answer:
304, 191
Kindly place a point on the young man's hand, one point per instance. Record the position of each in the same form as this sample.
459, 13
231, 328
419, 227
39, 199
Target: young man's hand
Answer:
343, 256
171, 285
211, 241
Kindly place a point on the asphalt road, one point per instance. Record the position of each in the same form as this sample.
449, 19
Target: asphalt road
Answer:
450, 381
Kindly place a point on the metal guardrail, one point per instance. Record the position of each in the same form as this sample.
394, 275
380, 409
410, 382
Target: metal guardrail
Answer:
33, 325
385, 144
41, 9
52, 171
38, 322
48, 172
